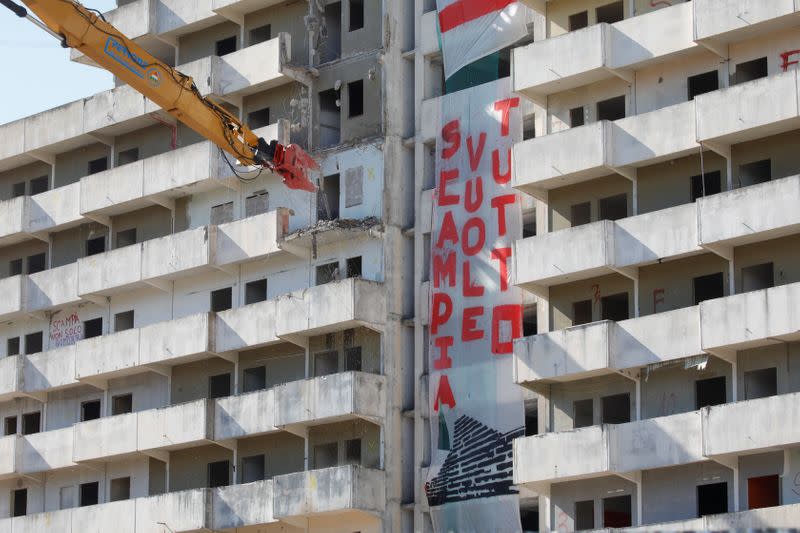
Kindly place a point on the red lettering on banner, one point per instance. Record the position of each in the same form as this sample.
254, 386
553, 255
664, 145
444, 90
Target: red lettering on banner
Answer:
444, 394
444, 177
442, 310
499, 177
470, 204
448, 232
506, 313
502, 255
475, 157
469, 290
444, 270
469, 324
505, 107
500, 203
451, 134
443, 361
472, 249
785, 63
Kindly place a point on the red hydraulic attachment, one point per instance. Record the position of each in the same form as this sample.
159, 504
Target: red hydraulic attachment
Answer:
293, 164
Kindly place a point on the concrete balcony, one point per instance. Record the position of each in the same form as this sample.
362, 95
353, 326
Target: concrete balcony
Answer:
749, 427
329, 399
780, 517
45, 451
563, 63
749, 214
161, 179
48, 371
176, 427
608, 449
12, 304
549, 162
333, 491
245, 505
9, 377
154, 347
207, 248
752, 110
8, 454
720, 22
105, 438
605, 247
13, 215
53, 288
751, 319
245, 415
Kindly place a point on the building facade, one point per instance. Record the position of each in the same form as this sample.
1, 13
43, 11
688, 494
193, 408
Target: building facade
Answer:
188, 348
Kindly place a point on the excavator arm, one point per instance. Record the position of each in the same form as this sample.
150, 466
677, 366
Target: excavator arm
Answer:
176, 93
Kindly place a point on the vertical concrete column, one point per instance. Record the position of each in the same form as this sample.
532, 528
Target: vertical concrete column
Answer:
543, 310
545, 508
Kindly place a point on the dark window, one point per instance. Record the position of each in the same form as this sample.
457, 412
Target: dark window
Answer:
18, 189
352, 452
751, 70
19, 502
221, 299
120, 489
611, 109
126, 238
128, 156
528, 225
261, 34
222, 213
529, 128
93, 328
219, 386
10, 425
712, 499
531, 418
706, 185
614, 307
327, 273
90, 493
581, 312
352, 359
96, 245
15, 267
254, 379
121, 405
354, 267
255, 291
763, 491
328, 198
614, 207
225, 46
90, 410
709, 392
758, 277
326, 455
578, 20
98, 165
708, 287
326, 363
253, 468
40, 185
258, 119
617, 511
616, 409
37, 263
529, 519
219, 474
583, 413
31, 423
576, 117
755, 172
256, 203
12, 346
530, 324
584, 515
760, 383
332, 46
355, 98
33, 342
123, 321
580, 214
610, 13
703, 83
356, 14
504, 63
330, 118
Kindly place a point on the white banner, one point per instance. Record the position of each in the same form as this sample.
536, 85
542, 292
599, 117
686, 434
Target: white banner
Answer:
476, 410
472, 29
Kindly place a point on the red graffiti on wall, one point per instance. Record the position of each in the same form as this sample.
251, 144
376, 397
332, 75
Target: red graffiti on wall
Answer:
656, 3
596, 295
658, 298
785, 63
